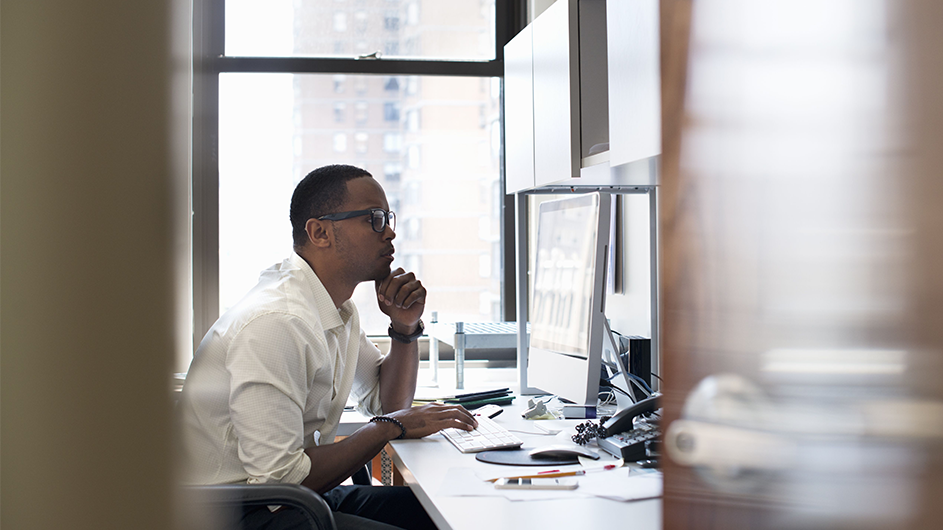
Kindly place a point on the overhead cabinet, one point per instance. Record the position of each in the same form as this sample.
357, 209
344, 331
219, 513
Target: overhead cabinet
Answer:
573, 80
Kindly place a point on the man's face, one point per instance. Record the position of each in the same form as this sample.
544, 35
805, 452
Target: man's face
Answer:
366, 254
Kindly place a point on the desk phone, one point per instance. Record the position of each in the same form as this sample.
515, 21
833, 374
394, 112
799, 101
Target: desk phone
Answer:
629, 440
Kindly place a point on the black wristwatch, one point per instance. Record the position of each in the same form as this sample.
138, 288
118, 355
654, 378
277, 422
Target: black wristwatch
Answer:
406, 339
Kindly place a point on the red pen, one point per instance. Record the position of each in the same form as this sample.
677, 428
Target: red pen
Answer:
557, 473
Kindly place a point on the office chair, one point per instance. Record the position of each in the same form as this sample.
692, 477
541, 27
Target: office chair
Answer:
222, 503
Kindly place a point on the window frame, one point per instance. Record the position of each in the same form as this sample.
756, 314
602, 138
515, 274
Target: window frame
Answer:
209, 61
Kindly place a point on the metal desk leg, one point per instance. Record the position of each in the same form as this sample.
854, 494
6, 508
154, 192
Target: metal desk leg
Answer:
434, 351
459, 355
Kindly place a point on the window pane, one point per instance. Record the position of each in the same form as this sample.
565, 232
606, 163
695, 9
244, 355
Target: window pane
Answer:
427, 29
440, 174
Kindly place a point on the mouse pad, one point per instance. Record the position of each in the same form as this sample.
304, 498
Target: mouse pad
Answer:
519, 457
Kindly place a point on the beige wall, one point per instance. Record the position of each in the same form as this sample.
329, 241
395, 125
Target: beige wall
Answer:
88, 174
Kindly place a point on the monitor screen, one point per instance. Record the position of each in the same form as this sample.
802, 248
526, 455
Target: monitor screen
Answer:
567, 305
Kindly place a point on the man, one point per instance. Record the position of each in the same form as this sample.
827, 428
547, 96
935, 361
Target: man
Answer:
267, 385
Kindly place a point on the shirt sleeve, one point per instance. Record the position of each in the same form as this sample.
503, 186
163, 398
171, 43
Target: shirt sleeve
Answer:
366, 389
270, 362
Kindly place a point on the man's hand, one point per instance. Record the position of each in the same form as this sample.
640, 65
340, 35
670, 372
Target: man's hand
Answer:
403, 298
432, 418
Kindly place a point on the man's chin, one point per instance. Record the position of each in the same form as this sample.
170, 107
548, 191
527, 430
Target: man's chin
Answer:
382, 273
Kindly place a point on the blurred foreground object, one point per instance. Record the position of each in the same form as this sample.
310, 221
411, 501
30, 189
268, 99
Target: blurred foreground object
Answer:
801, 237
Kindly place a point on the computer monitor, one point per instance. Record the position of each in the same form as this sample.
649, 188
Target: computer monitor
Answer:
567, 324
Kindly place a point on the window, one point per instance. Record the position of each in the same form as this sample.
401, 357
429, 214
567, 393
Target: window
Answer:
392, 171
360, 112
340, 142
274, 126
391, 111
361, 141
412, 157
391, 22
412, 120
391, 47
449, 29
340, 22
393, 142
360, 21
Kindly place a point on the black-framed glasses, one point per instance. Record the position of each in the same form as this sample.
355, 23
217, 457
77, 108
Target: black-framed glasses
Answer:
379, 217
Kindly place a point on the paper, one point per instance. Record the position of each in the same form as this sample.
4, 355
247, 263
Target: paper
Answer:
621, 484
463, 482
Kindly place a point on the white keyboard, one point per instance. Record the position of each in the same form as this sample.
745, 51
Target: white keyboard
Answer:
489, 435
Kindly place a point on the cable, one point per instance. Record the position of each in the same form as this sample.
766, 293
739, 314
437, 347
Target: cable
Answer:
635, 380
607, 397
534, 433
617, 351
640, 380
623, 392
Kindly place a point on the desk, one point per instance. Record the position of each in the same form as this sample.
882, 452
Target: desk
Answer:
424, 464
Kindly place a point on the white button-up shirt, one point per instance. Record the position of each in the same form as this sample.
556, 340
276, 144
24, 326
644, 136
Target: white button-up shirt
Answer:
271, 378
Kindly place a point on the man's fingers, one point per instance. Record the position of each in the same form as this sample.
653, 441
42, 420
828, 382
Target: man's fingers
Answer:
400, 288
383, 286
457, 414
432, 418
411, 293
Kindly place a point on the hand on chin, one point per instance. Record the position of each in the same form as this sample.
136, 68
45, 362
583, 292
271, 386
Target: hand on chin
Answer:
402, 297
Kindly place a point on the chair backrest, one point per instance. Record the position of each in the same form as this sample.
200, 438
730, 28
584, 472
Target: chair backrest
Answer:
222, 503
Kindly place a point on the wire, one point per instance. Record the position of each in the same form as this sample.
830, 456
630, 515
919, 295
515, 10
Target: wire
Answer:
656, 377
640, 380
608, 397
635, 380
623, 392
534, 433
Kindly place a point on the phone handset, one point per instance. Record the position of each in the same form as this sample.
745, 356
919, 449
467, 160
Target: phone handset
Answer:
622, 421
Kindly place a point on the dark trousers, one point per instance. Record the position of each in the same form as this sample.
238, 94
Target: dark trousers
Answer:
354, 507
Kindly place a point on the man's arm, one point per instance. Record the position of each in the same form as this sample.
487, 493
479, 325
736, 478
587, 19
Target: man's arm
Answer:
331, 464
403, 298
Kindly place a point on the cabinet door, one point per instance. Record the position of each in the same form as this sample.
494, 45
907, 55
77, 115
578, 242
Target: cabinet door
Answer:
519, 112
634, 80
556, 93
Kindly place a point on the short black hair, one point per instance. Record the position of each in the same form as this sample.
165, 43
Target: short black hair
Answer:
321, 192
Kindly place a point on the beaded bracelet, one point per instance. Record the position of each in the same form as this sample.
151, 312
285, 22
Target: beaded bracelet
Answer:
394, 421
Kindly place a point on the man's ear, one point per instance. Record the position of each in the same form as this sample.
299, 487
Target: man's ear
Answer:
319, 232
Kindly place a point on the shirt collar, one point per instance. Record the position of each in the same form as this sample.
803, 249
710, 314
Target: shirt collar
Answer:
331, 316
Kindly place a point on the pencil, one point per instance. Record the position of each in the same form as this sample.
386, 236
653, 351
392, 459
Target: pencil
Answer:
554, 474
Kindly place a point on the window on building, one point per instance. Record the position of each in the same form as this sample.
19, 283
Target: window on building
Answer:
361, 144
391, 111
360, 21
274, 126
340, 22
392, 142
340, 142
391, 48
392, 171
360, 112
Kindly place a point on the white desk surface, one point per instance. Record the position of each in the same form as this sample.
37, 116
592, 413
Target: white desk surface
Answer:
425, 463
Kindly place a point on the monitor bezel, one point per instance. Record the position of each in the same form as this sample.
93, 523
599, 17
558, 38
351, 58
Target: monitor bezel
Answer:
568, 376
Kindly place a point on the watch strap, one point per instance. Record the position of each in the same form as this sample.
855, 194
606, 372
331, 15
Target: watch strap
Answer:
406, 339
